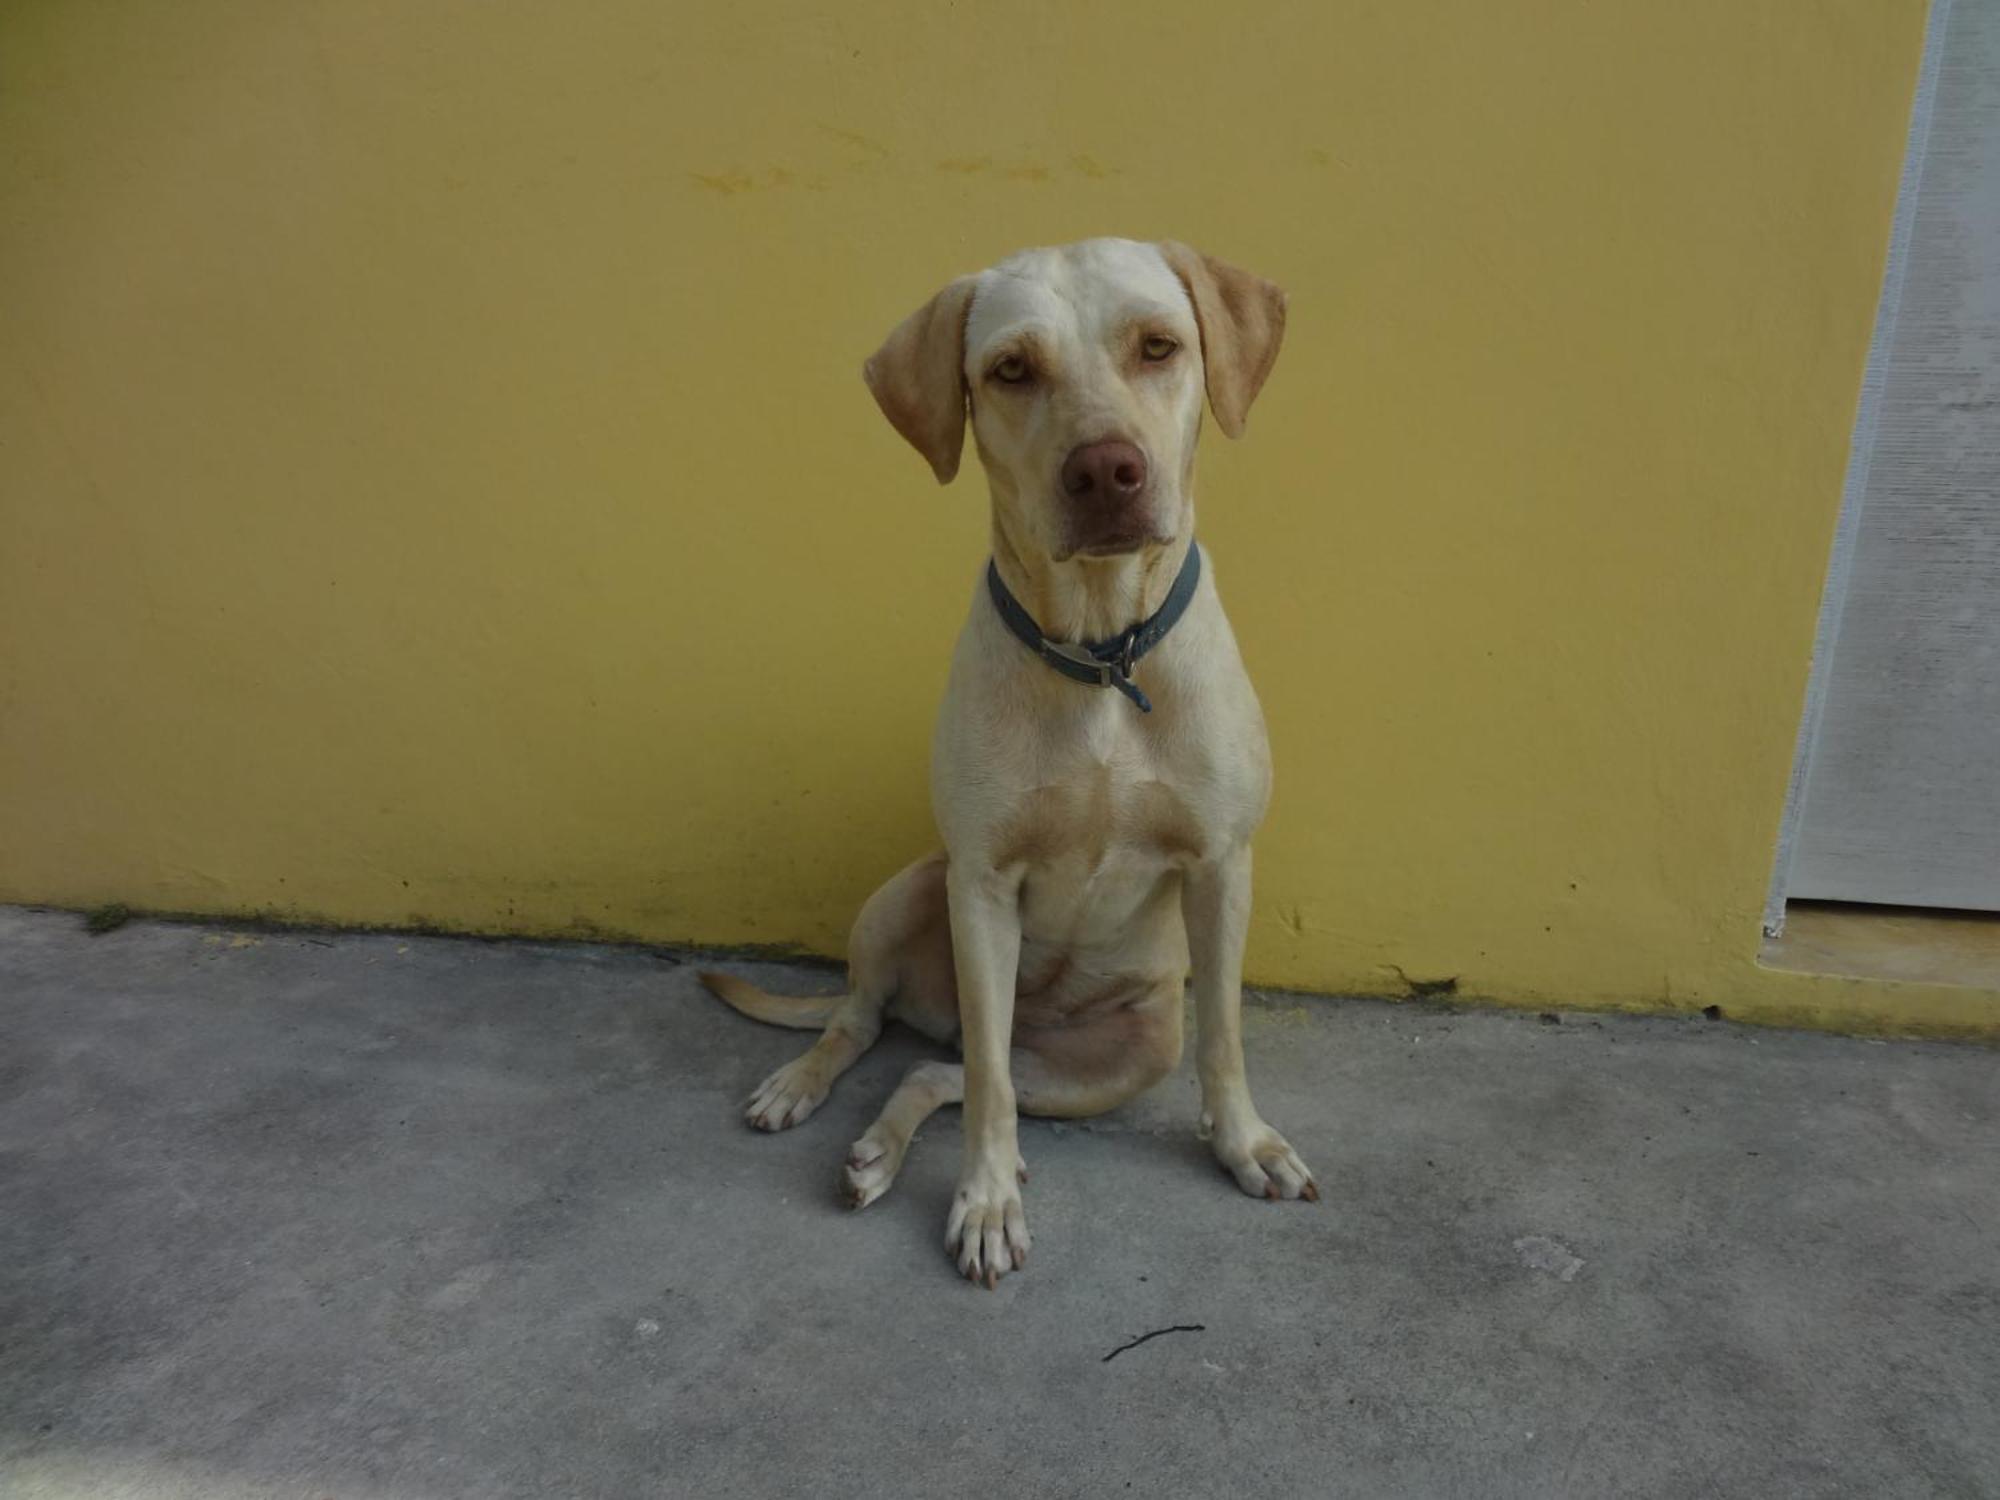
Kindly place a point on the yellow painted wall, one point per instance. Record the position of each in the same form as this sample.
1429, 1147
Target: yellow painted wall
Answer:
438, 486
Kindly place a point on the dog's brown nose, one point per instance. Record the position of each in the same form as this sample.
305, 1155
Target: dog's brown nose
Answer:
1101, 472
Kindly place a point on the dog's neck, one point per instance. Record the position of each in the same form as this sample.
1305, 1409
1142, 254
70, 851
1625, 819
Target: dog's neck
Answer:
1087, 598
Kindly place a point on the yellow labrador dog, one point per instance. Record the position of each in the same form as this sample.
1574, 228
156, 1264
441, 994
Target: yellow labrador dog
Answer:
1100, 762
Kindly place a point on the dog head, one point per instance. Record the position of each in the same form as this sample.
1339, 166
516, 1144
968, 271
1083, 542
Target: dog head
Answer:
1084, 369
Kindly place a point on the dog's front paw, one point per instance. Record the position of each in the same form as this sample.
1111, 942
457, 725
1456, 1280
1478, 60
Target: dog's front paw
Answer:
1262, 1161
987, 1232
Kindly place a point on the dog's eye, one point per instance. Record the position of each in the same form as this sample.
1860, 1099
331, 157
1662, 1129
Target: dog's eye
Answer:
1159, 347
1013, 370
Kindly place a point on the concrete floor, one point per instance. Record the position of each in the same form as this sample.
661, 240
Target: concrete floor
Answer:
315, 1216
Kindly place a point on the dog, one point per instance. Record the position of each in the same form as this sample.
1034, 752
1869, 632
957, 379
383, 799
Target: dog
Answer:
1100, 761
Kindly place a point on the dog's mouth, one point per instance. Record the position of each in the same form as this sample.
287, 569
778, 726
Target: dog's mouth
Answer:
1121, 546
1103, 548
1115, 532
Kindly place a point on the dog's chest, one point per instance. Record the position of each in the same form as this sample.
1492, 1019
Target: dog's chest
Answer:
1107, 791
1112, 795
1099, 817
1099, 847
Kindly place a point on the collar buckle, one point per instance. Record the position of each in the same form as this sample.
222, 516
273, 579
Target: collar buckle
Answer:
1111, 668
1077, 656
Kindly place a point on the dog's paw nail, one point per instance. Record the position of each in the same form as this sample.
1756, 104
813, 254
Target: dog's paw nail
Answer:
1310, 1192
1271, 1191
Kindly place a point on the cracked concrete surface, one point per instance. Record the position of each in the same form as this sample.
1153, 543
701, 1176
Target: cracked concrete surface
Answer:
374, 1216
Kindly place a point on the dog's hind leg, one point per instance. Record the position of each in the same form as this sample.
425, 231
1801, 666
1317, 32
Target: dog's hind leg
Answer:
794, 1091
875, 1159
886, 958
852, 1022
1064, 1072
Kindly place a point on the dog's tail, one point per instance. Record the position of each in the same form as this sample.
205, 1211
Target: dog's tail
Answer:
800, 1012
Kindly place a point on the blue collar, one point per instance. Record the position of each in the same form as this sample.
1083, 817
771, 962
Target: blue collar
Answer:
1101, 663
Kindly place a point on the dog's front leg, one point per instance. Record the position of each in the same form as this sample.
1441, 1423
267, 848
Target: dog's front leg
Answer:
987, 1233
1215, 903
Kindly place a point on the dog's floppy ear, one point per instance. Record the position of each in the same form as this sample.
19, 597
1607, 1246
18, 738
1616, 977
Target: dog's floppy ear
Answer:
1242, 320
918, 377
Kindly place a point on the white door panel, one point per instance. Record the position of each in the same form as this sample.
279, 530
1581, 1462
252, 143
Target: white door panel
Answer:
1901, 800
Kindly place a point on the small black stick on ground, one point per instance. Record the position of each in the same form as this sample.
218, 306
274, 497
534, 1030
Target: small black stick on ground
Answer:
1177, 1328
